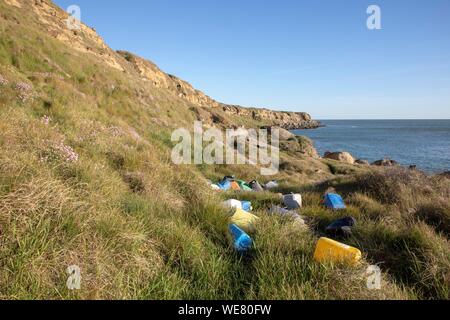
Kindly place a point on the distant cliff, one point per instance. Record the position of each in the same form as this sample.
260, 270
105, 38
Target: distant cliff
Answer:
87, 41
150, 72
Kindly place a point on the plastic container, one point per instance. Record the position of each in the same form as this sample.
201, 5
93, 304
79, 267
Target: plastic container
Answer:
256, 186
241, 241
224, 185
235, 186
244, 186
215, 187
292, 201
334, 202
328, 250
232, 204
244, 220
246, 206
272, 185
341, 228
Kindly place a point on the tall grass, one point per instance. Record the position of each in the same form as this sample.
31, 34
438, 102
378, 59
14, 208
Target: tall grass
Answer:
86, 179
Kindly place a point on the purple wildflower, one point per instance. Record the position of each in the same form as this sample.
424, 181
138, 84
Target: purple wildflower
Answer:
25, 91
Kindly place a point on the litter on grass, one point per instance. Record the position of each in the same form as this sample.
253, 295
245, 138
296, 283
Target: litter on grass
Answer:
334, 201
342, 227
330, 251
256, 186
244, 220
236, 204
271, 185
244, 185
292, 201
241, 240
285, 213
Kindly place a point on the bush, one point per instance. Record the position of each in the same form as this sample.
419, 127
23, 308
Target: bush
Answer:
435, 214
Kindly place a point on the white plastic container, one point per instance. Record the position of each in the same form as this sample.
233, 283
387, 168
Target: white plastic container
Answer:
232, 204
292, 201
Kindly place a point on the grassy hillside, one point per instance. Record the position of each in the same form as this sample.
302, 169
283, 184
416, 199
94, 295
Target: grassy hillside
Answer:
86, 179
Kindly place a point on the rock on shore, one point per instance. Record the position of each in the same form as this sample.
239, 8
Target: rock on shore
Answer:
340, 156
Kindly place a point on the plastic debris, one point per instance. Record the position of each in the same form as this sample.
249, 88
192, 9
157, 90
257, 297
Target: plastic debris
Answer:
285, 213
244, 220
328, 250
256, 186
334, 201
236, 204
244, 185
271, 185
241, 240
247, 206
292, 201
341, 227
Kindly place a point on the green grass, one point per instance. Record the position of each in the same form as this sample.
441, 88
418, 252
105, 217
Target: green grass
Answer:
141, 228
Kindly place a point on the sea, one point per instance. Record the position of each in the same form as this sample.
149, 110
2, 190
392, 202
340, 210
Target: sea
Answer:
424, 143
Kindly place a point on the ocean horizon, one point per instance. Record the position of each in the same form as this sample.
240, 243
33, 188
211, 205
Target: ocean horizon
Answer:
421, 142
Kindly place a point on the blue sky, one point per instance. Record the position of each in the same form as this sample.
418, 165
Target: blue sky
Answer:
298, 55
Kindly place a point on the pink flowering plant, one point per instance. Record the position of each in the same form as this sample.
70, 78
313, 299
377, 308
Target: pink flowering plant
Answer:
25, 92
46, 120
59, 152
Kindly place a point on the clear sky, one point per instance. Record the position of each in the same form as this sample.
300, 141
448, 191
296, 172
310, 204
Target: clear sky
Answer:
316, 56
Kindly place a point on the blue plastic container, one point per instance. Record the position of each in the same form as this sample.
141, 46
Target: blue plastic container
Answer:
246, 206
224, 185
334, 202
341, 227
242, 241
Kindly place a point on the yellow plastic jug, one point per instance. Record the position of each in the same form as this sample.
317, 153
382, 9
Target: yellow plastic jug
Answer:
328, 250
244, 220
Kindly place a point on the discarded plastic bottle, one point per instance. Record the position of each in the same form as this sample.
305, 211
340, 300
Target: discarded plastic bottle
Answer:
328, 250
242, 241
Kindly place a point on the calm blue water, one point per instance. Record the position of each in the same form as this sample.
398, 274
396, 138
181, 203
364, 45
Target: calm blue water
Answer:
425, 143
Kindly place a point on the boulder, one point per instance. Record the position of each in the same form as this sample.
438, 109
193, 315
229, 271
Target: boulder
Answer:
340, 156
385, 163
286, 135
362, 162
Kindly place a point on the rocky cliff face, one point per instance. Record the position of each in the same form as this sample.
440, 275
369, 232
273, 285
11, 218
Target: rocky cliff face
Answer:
283, 119
87, 41
84, 40
150, 72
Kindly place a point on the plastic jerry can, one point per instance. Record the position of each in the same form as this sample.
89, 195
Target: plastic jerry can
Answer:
292, 201
334, 202
328, 250
224, 185
241, 241
244, 220
232, 204
235, 186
